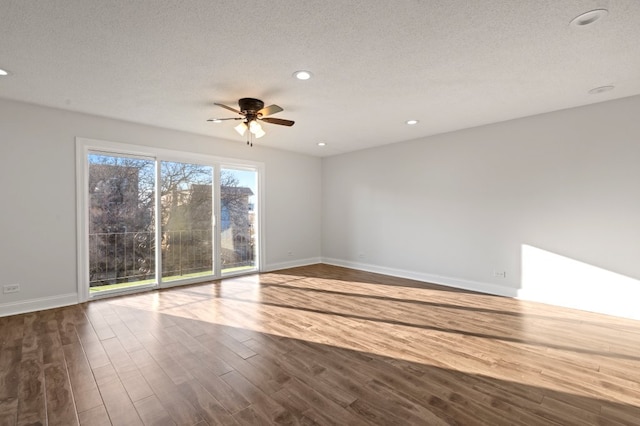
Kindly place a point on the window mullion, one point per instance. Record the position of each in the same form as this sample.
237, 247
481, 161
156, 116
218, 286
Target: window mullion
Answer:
158, 223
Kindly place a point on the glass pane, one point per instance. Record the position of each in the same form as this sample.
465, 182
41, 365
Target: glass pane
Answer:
121, 222
187, 226
238, 190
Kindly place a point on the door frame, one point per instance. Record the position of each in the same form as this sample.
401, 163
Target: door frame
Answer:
84, 146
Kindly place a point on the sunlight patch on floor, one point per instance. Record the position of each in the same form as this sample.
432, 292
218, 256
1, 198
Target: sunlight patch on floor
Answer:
426, 326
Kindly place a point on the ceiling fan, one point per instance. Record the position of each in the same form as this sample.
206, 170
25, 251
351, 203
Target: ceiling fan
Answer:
253, 111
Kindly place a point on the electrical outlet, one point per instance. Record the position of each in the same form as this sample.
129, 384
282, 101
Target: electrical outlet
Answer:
11, 288
290, 254
500, 274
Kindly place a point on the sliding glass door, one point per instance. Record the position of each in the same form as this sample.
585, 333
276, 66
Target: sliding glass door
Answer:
238, 237
186, 204
153, 218
121, 216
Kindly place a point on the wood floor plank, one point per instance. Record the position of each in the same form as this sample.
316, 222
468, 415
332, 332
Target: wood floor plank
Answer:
622, 414
67, 319
321, 409
229, 398
260, 402
208, 407
178, 407
181, 410
96, 416
58, 395
126, 338
116, 400
10, 357
173, 368
200, 357
83, 385
152, 412
135, 385
8, 411
92, 347
11, 344
249, 416
31, 393
318, 345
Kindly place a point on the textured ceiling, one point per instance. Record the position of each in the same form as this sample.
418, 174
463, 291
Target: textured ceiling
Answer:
451, 64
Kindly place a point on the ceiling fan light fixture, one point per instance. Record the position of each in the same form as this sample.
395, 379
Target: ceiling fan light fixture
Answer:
259, 133
302, 75
256, 129
241, 128
254, 126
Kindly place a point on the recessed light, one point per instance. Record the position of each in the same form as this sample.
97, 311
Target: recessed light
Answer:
589, 17
601, 89
3, 72
322, 144
412, 122
302, 75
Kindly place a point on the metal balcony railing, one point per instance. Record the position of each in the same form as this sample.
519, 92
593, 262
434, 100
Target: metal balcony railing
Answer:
128, 257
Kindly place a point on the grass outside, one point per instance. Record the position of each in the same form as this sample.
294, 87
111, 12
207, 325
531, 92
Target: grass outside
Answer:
238, 269
100, 288
185, 276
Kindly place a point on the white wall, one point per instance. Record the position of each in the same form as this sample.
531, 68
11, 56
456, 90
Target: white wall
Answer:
552, 200
456, 207
38, 202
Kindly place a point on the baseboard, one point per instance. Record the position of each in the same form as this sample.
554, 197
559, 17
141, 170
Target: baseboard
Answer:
427, 278
40, 304
33, 305
624, 297
292, 264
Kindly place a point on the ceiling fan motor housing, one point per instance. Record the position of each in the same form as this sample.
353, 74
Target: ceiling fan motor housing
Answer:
250, 105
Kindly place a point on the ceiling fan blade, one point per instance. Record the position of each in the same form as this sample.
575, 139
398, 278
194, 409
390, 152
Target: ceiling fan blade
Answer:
225, 119
228, 107
271, 109
279, 121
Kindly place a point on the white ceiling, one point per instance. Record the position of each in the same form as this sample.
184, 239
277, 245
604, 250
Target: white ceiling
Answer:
451, 64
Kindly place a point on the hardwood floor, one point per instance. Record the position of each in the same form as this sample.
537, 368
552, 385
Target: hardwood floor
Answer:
318, 345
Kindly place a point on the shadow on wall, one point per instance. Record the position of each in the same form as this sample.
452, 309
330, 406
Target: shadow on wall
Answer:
551, 278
